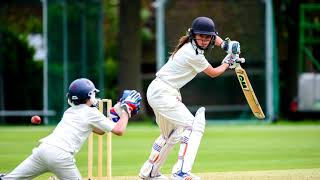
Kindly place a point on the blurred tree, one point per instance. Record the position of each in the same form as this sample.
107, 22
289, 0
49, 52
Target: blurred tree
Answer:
129, 45
129, 73
111, 46
20, 76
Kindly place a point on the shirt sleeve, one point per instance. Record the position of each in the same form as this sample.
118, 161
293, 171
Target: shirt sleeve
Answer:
98, 120
199, 63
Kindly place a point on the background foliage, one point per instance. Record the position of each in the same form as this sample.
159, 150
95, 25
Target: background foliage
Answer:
17, 66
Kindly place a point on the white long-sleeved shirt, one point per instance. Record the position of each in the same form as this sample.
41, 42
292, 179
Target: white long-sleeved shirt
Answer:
75, 126
183, 66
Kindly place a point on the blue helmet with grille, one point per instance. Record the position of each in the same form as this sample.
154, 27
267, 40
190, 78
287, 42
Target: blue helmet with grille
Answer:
80, 90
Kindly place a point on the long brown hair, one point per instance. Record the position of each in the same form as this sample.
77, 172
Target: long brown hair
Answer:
183, 40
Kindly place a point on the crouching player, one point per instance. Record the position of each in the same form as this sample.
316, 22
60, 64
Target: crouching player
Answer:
56, 151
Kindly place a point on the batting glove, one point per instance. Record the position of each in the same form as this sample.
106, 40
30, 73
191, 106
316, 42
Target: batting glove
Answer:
228, 60
233, 60
231, 47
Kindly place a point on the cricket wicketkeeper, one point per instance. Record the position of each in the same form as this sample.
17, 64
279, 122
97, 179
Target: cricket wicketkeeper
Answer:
176, 123
56, 151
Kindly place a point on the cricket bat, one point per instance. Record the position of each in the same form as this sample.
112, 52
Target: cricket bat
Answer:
248, 91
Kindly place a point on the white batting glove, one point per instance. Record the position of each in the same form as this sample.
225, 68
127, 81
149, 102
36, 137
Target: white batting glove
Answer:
228, 60
233, 60
231, 47
237, 62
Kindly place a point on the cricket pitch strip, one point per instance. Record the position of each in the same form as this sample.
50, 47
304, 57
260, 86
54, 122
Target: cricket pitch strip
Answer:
292, 174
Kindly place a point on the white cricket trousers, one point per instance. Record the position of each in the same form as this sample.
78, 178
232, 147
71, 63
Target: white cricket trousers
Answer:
46, 158
166, 103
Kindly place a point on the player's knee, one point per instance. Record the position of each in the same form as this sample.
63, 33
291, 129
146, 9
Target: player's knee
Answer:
175, 136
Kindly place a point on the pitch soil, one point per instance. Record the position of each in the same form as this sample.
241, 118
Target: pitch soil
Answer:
293, 174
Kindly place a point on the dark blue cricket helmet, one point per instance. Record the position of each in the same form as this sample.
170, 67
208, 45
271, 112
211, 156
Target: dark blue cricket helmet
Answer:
80, 90
203, 25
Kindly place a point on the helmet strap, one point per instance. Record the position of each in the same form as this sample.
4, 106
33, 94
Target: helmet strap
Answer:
212, 42
70, 102
210, 45
93, 99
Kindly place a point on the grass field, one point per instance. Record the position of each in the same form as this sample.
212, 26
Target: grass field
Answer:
224, 149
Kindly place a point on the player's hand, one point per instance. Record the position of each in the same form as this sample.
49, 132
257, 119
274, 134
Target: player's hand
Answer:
231, 47
130, 102
228, 60
233, 60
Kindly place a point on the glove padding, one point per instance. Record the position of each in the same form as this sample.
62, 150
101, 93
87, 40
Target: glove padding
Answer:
116, 110
233, 60
229, 60
131, 103
231, 47
125, 94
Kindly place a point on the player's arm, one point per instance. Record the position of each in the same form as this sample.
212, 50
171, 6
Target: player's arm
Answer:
128, 105
98, 131
120, 128
228, 62
218, 41
120, 115
215, 71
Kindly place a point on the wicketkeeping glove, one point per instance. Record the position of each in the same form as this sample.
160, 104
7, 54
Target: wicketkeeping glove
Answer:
130, 102
125, 94
231, 47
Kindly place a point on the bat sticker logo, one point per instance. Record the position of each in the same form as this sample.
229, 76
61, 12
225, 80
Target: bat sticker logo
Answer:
243, 82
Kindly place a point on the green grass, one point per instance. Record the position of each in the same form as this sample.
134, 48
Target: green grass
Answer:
223, 148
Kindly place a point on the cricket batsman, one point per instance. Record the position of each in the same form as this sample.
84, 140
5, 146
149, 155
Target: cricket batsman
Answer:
56, 151
177, 124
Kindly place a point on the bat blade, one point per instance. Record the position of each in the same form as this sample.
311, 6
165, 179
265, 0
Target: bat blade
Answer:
249, 93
